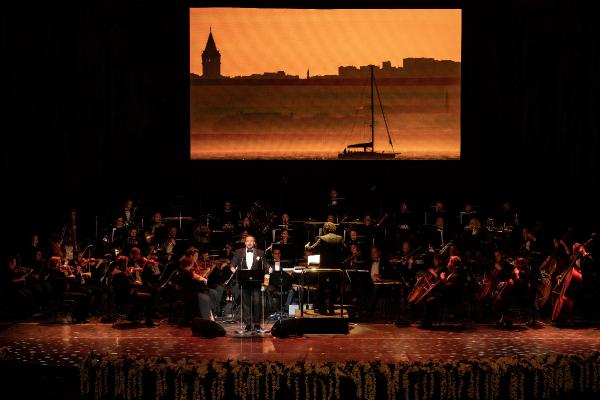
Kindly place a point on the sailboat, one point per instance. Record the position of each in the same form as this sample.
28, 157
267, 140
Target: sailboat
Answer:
368, 149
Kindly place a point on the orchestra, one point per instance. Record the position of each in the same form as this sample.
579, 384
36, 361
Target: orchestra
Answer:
442, 267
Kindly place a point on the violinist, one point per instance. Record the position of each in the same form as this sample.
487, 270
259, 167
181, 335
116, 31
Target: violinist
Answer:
90, 270
129, 292
193, 286
62, 282
214, 271
405, 267
13, 290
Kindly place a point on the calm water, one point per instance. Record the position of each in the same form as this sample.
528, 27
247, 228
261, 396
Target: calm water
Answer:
433, 146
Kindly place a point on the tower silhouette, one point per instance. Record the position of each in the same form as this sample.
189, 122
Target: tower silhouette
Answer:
211, 59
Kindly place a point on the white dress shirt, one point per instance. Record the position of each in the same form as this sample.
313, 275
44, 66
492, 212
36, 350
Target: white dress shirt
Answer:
249, 258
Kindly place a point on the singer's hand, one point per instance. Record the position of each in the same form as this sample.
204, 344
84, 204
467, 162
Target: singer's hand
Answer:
233, 269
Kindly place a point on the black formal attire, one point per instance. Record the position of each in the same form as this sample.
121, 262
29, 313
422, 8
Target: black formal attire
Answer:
280, 286
250, 292
330, 247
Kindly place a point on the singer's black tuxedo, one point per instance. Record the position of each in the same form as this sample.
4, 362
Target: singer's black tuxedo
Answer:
250, 292
239, 259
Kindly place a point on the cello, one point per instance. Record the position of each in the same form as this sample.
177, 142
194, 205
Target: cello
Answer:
569, 282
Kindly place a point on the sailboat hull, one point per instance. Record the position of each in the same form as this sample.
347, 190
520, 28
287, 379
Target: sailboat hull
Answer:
366, 155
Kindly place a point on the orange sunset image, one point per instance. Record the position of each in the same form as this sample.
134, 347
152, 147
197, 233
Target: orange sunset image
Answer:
325, 84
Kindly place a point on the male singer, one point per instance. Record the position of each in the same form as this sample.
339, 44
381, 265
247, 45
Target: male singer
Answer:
249, 257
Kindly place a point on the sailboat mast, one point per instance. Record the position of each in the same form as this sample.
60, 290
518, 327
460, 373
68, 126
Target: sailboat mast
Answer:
372, 115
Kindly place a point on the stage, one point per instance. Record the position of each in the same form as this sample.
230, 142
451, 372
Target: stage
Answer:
68, 345
372, 361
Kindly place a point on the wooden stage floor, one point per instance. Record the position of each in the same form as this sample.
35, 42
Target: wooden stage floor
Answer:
67, 345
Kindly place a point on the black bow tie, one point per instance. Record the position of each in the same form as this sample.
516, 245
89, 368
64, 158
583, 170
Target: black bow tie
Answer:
249, 250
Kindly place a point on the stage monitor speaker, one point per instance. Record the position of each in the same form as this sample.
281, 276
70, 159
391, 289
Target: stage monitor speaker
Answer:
206, 328
300, 326
285, 328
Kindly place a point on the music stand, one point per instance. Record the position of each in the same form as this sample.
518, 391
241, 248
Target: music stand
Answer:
248, 277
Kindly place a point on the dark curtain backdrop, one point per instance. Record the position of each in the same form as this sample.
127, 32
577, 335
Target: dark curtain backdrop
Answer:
97, 102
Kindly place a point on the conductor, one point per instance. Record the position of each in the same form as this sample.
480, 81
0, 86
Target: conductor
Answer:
330, 247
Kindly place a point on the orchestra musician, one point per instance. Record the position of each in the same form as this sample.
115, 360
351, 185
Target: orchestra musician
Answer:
213, 272
445, 290
514, 289
280, 281
129, 290
249, 257
129, 212
147, 272
13, 289
404, 225
228, 217
64, 287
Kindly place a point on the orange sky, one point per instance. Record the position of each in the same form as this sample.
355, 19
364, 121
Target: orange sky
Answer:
267, 40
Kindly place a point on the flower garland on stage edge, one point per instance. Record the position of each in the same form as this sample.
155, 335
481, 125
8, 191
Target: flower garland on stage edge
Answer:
542, 376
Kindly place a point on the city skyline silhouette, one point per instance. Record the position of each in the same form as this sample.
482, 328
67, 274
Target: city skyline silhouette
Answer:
255, 41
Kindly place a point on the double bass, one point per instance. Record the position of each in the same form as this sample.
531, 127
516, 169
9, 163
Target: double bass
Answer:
569, 282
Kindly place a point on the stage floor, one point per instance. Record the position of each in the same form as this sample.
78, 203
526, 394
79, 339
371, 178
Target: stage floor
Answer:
67, 345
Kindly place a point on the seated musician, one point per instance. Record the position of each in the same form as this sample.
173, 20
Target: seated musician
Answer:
129, 291
407, 265
404, 224
64, 287
286, 245
355, 259
118, 234
446, 291
158, 230
439, 234
367, 229
227, 252
215, 273
247, 226
196, 274
86, 279
285, 221
473, 242
129, 212
530, 245
378, 272
280, 290
13, 289
515, 290
134, 240
146, 271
